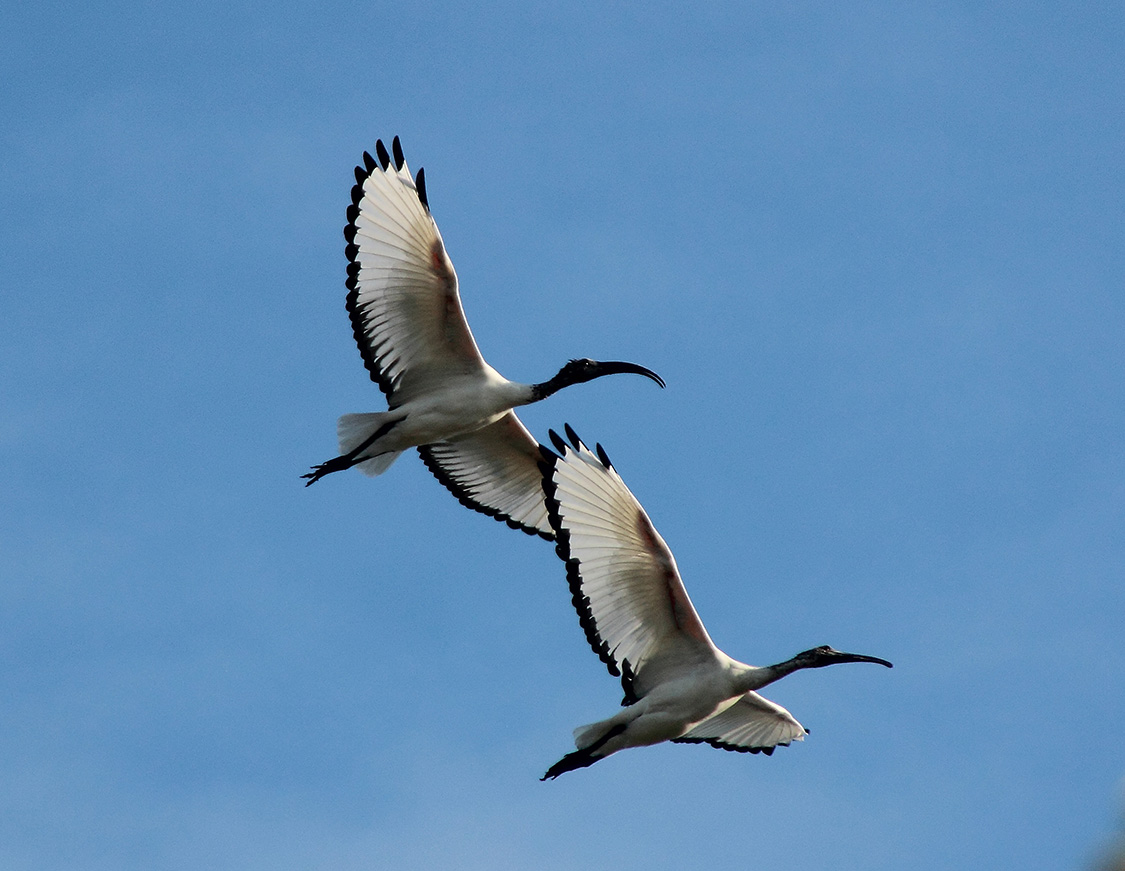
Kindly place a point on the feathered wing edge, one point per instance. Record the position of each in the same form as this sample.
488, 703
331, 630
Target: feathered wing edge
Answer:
574, 567
753, 724
351, 251
399, 271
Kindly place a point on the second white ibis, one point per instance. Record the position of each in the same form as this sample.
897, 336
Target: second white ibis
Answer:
638, 618
443, 397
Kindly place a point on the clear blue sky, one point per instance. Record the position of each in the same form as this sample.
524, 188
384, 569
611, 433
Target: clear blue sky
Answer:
878, 254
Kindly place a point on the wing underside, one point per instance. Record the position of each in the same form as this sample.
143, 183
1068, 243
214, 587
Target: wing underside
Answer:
403, 300
494, 470
751, 725
624, 581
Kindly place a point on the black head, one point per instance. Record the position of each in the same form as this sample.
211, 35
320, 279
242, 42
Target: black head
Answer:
585, 369
824, 655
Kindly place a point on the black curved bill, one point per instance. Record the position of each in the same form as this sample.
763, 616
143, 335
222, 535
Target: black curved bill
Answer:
858, 657
615, 367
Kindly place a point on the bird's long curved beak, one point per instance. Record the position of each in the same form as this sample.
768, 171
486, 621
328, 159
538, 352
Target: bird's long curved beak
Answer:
616, 367
859, 657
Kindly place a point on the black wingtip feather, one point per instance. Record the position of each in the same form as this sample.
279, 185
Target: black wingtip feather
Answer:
603, 456
573, 436
734, 748
381, 153
396, 147
360, 175
369, 162
420, 183
628, 685
557, 441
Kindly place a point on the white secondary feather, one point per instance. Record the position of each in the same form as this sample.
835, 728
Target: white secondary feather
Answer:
751, 723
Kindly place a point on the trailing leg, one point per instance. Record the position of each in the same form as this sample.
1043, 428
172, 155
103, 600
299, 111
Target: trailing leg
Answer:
357, 433
585, 757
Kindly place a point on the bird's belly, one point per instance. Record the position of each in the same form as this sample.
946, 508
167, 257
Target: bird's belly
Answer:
690, 701
442, 426
431, 421
654, 727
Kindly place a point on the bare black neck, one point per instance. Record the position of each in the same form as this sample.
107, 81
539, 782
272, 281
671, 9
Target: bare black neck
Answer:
767, 674
818, 657
553, 385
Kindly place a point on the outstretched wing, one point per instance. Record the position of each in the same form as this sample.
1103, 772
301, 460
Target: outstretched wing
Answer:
494, 470
405, 310
751, 725
624, 581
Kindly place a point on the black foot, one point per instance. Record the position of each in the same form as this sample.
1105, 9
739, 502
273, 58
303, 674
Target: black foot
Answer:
570, 762
338, 464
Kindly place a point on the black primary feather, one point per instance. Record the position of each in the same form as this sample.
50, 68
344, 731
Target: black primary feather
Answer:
557, 441
734, 748
381, 153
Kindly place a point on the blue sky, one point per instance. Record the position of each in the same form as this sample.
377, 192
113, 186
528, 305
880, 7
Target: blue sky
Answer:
877, 254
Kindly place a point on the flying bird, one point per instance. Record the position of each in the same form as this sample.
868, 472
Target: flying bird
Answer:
638, 618
442, 397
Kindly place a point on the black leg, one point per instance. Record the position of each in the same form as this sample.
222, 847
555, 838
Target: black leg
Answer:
346, 461
582, 758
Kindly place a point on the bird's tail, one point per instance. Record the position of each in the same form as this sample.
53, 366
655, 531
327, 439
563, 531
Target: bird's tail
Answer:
584, 736
354, 429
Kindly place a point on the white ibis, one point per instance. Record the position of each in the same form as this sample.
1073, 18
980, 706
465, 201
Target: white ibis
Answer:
443, 397
638, 618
